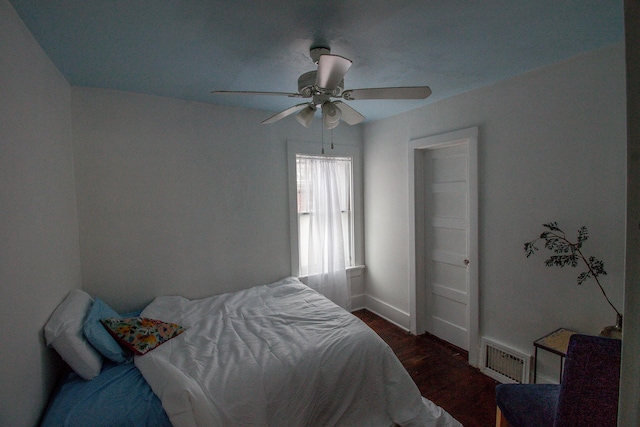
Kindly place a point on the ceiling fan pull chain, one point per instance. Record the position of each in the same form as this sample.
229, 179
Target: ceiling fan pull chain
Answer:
322, 135
332, 138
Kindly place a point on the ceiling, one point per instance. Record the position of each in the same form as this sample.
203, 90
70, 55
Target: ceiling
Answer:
187, 48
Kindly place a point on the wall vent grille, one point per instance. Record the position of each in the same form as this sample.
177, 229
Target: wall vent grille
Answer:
504, 364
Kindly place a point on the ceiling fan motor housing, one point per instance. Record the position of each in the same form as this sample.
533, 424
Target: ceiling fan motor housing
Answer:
306, 83
307, 86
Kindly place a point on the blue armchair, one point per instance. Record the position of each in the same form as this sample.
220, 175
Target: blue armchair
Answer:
587, 395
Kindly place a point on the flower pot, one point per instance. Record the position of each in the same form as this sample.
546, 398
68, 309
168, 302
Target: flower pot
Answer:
613, 331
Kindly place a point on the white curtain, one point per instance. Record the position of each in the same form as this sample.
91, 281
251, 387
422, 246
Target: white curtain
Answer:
326, 196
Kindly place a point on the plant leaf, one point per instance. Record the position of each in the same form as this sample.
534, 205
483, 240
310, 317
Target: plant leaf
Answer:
557, 245
583, 277
583, 234
597, 266
530, 248
553, 226
561, 261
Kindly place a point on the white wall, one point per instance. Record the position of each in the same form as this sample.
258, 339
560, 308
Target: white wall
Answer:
39, 254
551, 147
177, 197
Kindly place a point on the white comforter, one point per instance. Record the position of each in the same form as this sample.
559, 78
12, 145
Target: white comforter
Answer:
278, 355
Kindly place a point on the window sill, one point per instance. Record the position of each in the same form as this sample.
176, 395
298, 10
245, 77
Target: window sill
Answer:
353, 271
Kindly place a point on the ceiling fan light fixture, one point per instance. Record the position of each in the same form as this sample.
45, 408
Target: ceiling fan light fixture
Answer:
330, 114
305, 116
331, 125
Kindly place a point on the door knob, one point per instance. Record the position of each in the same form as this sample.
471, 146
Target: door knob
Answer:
466, 262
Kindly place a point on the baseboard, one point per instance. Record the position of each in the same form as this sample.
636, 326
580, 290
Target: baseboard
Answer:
387, 312
357, 302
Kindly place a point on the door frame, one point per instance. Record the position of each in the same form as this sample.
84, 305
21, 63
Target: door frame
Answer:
417, 283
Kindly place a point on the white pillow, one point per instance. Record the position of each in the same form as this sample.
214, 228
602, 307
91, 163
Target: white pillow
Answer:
63, 332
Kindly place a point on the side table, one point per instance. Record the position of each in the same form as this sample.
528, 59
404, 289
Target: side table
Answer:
555, 342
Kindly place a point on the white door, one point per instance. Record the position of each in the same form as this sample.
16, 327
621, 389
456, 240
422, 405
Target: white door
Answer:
443, 225
446, 234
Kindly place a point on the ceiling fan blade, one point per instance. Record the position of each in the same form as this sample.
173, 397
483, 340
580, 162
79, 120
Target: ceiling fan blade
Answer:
331, 71
349, 115
285, 113
305, 116
413, 92
249, 92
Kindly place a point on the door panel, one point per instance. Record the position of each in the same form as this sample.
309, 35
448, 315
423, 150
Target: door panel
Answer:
448, 275
448, 200
448, 239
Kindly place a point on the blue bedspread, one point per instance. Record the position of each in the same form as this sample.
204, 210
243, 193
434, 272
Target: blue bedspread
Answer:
119, 396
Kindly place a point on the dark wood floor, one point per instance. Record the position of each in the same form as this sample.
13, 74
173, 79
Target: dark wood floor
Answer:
441, 372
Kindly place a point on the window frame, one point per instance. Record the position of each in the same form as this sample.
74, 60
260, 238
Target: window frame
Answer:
315, 149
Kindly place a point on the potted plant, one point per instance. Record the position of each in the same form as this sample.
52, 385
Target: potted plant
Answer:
567, 253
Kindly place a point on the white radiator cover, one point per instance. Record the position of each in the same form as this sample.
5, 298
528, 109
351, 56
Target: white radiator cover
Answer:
504, 364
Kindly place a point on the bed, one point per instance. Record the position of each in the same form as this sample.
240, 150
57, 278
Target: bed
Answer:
276, 354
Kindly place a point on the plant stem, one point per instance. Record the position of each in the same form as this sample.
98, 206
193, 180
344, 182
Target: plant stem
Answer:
595, 276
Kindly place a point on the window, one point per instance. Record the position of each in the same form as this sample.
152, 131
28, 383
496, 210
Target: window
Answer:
341, 168
345, 166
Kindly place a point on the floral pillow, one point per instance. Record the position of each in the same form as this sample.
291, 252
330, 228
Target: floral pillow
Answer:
140, 334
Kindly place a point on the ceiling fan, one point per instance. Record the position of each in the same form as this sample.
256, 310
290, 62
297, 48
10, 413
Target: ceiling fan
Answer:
326, 83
